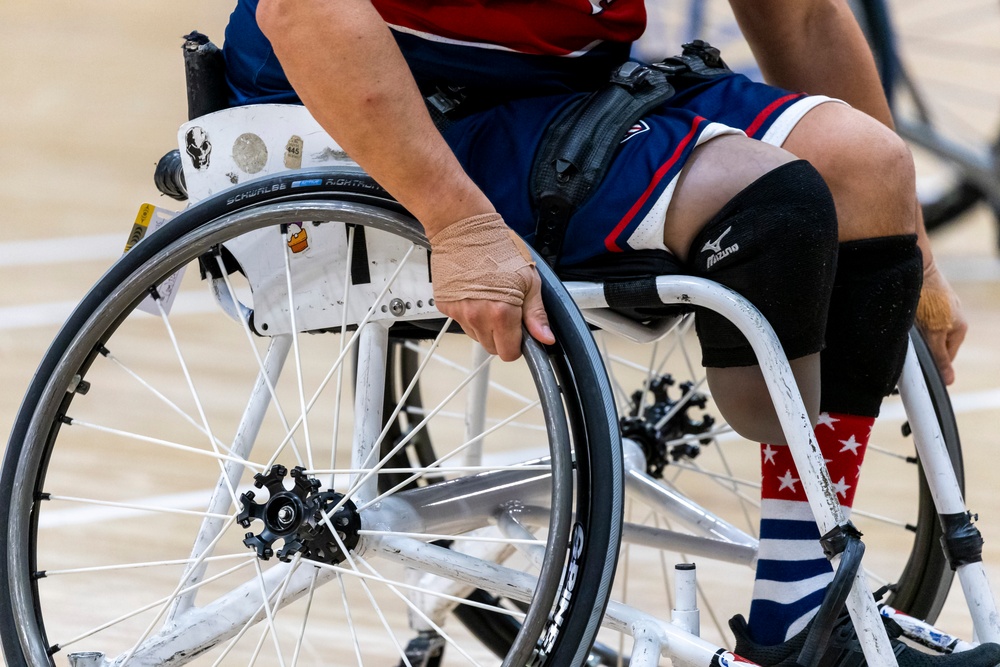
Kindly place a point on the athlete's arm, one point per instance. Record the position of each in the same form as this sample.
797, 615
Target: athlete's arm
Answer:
813, 46
344, 64
817, 46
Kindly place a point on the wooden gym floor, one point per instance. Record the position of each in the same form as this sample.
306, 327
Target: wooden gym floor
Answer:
92, 95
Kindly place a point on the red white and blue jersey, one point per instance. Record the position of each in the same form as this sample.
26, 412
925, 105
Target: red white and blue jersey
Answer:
567, 28
513, 45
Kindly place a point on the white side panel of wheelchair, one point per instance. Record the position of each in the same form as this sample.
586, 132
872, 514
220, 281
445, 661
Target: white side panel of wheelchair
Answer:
237, 145
319, 272
240, 144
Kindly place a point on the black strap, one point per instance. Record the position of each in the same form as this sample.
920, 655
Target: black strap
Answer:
576, 150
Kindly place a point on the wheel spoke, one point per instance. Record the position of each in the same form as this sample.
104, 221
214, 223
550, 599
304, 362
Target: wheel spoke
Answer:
330, 541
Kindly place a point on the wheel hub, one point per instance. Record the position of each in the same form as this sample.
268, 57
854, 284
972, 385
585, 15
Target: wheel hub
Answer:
302, 517
666, 421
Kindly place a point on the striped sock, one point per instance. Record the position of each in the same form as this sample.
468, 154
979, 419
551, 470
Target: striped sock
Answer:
792, 572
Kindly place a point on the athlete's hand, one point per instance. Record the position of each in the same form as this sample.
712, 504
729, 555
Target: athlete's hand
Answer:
940, 320
484, 278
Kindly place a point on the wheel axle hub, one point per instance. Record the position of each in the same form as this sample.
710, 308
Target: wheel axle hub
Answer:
303, 517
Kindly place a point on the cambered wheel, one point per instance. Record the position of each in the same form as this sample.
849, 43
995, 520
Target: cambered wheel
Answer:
197, 486
676, 441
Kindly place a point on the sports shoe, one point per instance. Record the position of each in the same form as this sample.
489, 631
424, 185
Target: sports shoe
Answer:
845, 649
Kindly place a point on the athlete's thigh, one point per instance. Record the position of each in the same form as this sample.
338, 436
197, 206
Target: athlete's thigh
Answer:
624, 213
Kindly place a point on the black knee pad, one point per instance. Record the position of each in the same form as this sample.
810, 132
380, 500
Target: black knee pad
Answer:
776, 244
874, 301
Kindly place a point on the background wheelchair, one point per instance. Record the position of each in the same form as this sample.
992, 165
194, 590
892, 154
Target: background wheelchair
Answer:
434, 483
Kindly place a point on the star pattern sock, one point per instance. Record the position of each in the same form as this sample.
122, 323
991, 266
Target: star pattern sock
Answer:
792, 572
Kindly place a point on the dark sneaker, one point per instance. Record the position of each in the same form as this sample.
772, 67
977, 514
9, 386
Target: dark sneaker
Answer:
845, 649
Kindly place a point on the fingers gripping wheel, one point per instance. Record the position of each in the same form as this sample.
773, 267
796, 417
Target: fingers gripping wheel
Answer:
261, 455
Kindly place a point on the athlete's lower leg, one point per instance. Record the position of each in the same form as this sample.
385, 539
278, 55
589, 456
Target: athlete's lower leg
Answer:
872, 304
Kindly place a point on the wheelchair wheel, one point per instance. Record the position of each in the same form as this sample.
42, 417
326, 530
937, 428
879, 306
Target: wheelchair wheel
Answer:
703, 465
700, 462
210, 483
939, 65
709, 467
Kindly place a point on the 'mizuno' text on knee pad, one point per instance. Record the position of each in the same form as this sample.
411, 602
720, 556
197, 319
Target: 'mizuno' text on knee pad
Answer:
776, 244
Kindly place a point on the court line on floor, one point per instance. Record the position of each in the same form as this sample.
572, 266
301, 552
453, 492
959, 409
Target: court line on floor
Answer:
62, 250
53, 314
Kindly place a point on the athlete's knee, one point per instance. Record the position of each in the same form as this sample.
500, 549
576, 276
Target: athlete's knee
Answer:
868, 167
776, 244
715, 172
878, 165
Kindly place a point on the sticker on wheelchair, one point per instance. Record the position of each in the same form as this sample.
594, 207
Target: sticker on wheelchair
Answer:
148, 220
724, 658
337, 272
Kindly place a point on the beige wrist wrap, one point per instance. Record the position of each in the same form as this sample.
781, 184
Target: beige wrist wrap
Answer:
479, 258
935, 309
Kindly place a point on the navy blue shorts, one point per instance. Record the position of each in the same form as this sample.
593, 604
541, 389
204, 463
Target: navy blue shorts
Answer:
497, 146
626, 212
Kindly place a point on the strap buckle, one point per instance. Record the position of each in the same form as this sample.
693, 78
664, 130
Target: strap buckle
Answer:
631, 75
446, 101
705, 52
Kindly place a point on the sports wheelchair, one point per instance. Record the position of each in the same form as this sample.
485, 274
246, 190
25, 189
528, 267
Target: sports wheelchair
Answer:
288, 456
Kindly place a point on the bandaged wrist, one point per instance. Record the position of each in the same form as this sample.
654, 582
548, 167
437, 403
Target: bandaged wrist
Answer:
479, 258
934, 311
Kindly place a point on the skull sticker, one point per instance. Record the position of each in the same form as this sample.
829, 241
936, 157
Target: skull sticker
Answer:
198, 147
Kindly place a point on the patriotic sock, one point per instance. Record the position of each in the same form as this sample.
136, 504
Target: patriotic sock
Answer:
792, 572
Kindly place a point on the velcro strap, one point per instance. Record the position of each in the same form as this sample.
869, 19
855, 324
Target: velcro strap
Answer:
636, 293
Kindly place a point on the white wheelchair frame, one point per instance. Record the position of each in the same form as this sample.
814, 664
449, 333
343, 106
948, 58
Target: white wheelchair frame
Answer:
189, 629
654, 636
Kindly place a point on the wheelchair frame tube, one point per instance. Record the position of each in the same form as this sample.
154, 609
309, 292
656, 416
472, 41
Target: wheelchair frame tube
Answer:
246, 435
792, 416
663, 498
946, 491
373, 345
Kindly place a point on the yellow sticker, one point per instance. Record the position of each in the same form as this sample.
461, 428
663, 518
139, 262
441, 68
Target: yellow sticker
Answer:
140, 226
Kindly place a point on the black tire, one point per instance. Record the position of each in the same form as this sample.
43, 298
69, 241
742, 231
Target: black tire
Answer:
592, 524
921, 582
917, 59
